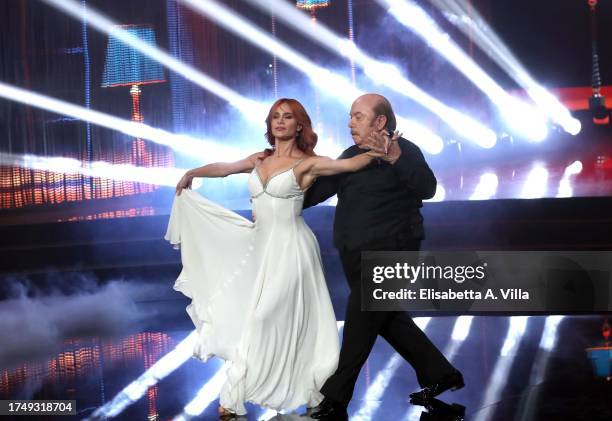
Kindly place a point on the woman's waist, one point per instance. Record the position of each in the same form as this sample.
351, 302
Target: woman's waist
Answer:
278, 220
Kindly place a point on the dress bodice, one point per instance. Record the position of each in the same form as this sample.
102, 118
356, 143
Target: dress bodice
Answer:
281, 184
279, 198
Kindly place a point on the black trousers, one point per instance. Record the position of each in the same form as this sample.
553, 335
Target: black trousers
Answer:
362, 327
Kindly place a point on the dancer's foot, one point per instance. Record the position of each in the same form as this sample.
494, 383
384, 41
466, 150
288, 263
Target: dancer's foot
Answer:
329, 410
439, 410
226, 414
453, 381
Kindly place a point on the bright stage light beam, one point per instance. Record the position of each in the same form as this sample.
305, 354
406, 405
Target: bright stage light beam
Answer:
252, 110
204, 150
486, 188
201, 149
135, 390
465, 17
523, 118
565, 185
161, 176
205, 396
373, 395
529, 402
461, 331
383, 73
499, 377
440, 195
536, 183
328, 82
210, 391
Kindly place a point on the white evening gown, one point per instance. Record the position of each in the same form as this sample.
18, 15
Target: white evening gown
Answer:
259, 298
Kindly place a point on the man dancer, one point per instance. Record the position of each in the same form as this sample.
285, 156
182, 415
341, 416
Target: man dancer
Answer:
378, 209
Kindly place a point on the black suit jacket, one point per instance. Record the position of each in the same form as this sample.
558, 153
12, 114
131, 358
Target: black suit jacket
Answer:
378, 201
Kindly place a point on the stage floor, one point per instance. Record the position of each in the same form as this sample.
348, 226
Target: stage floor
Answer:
515, 368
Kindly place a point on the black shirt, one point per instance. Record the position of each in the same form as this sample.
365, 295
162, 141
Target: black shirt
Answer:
379, 200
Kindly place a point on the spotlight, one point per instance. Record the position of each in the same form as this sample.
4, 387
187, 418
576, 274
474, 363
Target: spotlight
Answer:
522, 117
380, 72
597, 107
462, 14
202, 149
328, 82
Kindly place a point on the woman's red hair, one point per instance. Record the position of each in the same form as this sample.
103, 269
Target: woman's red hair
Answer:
306, 139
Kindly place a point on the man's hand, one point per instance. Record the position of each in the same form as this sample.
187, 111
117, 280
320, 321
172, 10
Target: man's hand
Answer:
384, 144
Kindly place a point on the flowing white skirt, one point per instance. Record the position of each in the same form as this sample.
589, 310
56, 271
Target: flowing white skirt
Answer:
259, 301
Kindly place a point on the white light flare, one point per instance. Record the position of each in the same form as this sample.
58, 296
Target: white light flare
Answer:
440, 195
529, 402
462, 327
373, 395
499, 377
552, 107
197, 148
525, 119
160, 176
327, 147
135, 390
329, 83
549, 336
321, 77
252, 110
383, 73
470, 22
205, 396
486, 188
461, 331
565, 184
536, 183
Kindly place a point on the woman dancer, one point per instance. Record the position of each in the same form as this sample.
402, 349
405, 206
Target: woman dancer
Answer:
259, 298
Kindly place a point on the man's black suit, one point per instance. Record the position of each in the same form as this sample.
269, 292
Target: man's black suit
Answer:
378, 209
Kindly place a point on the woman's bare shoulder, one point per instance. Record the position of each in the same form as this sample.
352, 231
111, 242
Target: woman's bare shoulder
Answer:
314, 158
257, 157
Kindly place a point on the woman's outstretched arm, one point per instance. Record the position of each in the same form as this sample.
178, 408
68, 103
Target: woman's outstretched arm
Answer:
219, 169
324, 166
318, 166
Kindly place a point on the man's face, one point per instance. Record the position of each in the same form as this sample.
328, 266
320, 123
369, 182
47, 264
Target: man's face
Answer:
362, 120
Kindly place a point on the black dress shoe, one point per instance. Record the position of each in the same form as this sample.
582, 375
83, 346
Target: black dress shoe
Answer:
452, 381
438, 410
329, 410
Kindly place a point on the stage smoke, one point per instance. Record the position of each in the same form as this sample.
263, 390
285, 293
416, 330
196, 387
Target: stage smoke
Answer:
34, 323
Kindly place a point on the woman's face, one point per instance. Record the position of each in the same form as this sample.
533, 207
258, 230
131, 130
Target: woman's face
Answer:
283, 123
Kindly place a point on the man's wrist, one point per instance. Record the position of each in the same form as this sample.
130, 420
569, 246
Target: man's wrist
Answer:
394, 156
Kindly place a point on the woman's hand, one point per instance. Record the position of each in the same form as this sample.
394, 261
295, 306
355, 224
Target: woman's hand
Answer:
381, 141
184, 183
384, 145
375, 154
